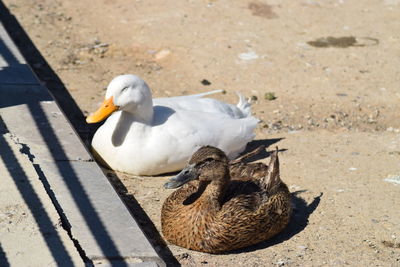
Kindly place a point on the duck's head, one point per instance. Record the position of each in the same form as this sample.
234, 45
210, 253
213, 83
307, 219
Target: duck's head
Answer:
207, 164
125, 92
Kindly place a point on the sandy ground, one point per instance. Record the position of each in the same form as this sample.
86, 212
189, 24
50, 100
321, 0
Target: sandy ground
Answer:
333, 67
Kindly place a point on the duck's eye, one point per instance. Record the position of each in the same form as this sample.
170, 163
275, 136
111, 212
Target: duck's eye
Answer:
124, 89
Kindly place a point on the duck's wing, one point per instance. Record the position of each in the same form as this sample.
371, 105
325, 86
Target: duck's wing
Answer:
242, 191
219, 91
243, 158
196, 103
199, 95
248, 171
239, 169
196, 129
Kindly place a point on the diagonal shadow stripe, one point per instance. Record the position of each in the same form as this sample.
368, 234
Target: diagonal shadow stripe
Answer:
75, 187
3, 258
21, 181
65, 169
46, 74
74, 114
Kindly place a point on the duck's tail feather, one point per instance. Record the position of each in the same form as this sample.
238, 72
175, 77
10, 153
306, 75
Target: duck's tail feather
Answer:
244, 105
272, 180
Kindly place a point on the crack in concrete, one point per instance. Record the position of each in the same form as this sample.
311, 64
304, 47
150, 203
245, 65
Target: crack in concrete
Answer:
74, 160
62, 218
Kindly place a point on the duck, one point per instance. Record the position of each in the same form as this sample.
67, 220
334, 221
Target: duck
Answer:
149, 136
213, 212
241, 169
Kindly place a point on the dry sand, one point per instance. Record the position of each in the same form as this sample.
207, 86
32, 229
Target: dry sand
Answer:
333, 67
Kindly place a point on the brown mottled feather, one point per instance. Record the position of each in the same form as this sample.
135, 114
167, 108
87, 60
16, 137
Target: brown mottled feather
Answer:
221, 214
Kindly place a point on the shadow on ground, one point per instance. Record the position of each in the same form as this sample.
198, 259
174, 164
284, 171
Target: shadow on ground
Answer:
32, 99
47, 75
35, 205
3, 258
143, 220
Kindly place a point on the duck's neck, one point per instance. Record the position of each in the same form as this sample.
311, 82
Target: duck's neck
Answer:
142, 113
215, 192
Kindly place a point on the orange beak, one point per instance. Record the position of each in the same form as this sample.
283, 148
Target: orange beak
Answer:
103, 112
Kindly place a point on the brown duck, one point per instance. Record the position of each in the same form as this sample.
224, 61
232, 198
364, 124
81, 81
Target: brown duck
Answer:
239, 169
213, 213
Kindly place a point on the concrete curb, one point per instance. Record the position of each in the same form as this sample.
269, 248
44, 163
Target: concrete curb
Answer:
97, 221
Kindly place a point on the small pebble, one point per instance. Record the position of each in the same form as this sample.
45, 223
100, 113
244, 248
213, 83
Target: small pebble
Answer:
162, 54
374, 221
281, 263
248, 56
269, 96
302, 247
205, 82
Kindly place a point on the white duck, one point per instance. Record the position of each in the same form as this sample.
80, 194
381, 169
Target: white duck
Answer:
145, 136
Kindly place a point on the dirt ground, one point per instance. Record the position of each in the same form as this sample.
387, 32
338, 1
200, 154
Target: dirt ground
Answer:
332, 67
